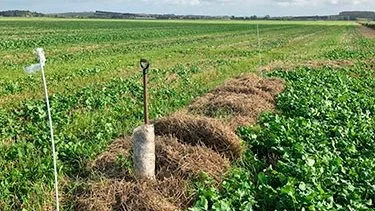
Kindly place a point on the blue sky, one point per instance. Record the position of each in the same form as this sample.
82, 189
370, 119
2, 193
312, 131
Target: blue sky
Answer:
208, 7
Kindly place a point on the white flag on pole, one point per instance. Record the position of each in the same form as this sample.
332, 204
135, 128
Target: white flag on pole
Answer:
32, 69
42, 61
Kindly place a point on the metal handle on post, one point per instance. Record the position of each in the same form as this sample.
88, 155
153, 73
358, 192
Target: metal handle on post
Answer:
145, 65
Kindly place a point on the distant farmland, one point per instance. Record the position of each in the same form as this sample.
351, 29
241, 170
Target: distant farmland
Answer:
96, 96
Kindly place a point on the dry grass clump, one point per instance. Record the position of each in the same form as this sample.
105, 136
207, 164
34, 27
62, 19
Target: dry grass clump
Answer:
111, 194
200, 131
174, 158
102, 195
107, 162
231, 103
252, 83
273, 86
240, 100
176, 164
177, 191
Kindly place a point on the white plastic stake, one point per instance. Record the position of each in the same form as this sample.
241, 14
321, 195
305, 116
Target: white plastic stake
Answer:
31, 69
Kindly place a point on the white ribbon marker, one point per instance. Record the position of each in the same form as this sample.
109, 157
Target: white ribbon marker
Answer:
32, 69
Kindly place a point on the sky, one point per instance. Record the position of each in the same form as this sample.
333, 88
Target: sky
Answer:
196, 7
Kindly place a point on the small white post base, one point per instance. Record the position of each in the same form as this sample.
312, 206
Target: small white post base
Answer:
144, 151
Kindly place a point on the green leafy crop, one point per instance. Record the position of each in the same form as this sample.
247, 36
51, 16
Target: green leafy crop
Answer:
317, 153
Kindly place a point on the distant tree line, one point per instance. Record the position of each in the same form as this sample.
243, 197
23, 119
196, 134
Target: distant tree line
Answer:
358, 14
104, 14
348, 15
20, 13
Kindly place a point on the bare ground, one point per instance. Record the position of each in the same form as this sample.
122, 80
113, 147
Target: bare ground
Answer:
367, 32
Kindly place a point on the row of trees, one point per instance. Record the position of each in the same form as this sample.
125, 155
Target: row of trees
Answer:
20, 13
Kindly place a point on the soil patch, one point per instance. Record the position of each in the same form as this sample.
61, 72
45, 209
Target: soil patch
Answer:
367, 32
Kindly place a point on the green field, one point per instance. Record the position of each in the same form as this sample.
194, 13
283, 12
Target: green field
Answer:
96, 95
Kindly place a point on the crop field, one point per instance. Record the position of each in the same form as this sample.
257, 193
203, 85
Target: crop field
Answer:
315, 152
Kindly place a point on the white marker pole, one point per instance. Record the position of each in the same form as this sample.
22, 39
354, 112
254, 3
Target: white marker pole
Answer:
52, 139
258, 36
33, 68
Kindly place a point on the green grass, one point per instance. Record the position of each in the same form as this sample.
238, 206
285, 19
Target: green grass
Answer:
92, 72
